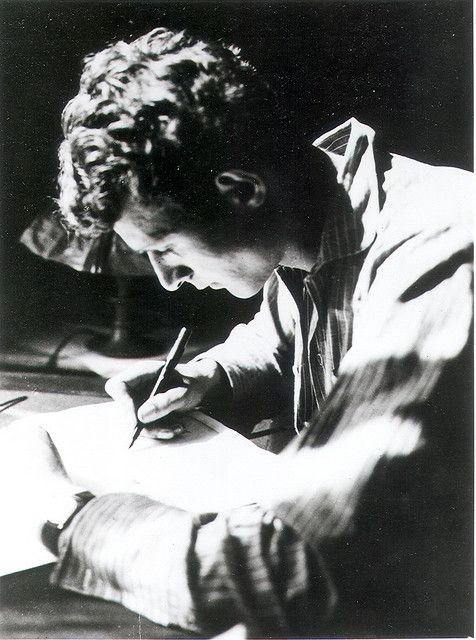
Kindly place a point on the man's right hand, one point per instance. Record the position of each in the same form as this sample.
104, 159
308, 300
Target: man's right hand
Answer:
190, 383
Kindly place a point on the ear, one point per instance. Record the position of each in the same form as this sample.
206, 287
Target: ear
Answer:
241, 188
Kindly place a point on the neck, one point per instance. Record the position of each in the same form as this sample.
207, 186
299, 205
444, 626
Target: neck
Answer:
300, 257
313, 190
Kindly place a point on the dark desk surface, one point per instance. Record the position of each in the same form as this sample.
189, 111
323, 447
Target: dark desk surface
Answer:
32, 608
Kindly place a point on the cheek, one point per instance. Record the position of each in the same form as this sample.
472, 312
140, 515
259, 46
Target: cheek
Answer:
252, 268
248, 280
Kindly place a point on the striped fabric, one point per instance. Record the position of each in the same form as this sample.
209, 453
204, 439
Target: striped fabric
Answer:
366, 530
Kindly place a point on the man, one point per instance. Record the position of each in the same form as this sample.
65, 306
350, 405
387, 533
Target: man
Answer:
364, 257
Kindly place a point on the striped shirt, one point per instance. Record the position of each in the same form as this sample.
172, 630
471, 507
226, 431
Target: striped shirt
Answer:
366, 526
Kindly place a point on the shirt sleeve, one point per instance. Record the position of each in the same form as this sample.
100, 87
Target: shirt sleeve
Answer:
380, 484
162, 563
258, 356
411, 333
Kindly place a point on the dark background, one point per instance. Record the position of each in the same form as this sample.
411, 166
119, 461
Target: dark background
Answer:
403, 67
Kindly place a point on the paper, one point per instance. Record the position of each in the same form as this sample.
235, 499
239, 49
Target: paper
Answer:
208, 468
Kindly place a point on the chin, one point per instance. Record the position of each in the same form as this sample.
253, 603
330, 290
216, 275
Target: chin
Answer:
244, 291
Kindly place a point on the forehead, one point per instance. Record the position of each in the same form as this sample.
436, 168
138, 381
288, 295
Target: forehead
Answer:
142, 225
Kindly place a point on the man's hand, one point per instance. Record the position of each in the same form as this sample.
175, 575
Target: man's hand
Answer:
33, 479
189, 385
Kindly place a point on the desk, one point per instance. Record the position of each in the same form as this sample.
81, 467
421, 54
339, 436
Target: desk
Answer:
46, 392
32, 608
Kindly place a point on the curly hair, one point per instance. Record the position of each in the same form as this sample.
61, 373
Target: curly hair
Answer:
155, 120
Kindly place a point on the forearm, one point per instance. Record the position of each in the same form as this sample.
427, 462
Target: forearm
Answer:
249, 367
161, 563
258, 356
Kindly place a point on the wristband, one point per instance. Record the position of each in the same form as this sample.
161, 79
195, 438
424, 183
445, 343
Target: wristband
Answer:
51, 531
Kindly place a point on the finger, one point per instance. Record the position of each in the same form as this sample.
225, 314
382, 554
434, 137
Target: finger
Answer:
121, 395
163, 433
162, 404
128, 412
127, 380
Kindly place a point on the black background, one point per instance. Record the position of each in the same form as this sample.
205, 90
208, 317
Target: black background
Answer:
403, 67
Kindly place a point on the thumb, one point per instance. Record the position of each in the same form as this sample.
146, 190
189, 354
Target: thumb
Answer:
162, 404
117, 389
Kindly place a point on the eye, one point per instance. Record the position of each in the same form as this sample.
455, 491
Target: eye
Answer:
158, 254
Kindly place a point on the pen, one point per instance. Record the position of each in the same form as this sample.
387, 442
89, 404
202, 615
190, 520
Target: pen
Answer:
10, 403
170, 363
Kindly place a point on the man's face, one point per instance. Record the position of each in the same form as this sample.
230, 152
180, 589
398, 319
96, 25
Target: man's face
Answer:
181, 256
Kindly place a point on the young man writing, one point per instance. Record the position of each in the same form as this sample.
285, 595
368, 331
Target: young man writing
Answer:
364, 257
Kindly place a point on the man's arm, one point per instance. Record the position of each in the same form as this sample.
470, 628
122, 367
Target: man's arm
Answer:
161, 562
257, 357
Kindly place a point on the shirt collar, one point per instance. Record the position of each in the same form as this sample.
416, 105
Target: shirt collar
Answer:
350, 229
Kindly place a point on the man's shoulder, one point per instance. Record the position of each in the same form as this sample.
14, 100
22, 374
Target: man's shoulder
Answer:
418, 197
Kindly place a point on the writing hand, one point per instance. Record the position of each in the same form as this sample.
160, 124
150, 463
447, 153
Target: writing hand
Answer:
188, 386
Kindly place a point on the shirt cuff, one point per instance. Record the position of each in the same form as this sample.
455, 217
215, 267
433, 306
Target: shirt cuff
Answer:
132, 550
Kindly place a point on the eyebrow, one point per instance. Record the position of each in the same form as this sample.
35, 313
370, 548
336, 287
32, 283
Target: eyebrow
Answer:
143, 251
155, 237
143, 221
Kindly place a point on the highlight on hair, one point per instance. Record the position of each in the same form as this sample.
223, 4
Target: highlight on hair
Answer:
152, 119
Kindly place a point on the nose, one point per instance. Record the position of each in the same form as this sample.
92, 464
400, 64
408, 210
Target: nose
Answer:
170, 277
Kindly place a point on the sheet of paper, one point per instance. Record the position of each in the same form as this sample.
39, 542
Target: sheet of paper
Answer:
20, 537
208, 468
